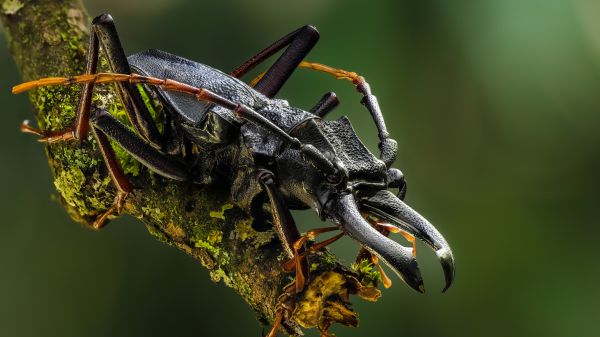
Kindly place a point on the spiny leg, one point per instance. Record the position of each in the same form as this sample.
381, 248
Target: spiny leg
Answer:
299, 42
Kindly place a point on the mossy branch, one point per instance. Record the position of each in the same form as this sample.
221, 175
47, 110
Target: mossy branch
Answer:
49, 38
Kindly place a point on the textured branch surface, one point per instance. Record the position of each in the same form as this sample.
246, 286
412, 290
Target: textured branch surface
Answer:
49, 38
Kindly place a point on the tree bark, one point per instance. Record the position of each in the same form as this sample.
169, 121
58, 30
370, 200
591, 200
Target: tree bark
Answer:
49, 38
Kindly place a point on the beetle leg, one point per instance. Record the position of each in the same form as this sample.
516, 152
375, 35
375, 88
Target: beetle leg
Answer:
47, 136
138, 148
285, 226
289, 265
288, 234
328, 102
299, 252
387, 282
103, 29
284, 308
104, 126
299, 42
124, 187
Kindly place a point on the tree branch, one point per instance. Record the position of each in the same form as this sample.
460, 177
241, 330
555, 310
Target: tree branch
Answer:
49, 38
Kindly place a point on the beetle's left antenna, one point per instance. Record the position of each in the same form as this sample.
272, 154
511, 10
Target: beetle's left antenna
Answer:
311, 153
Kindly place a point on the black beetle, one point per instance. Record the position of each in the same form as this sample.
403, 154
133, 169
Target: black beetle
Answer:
265, 148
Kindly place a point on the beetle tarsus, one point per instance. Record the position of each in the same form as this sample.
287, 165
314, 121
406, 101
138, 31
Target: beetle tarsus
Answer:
47, 136
116, 207
286, 302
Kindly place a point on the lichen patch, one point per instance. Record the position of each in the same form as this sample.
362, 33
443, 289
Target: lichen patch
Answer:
11, 7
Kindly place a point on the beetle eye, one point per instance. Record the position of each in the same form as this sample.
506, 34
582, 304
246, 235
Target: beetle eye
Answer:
395, 179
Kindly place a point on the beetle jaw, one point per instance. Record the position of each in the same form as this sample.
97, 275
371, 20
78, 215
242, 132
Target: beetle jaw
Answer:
344, 211
390, 209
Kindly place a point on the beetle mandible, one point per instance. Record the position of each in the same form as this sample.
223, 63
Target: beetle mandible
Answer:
299, 159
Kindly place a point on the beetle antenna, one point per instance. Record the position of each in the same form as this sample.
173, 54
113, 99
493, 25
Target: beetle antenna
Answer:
311, 153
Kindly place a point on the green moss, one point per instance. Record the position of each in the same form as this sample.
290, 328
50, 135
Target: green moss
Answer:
214, 237
88, 197
368, 275
328, 258
57, 106
242, 287
216, 275
243, 231
221, 214
11, 7
154, 213
210, 243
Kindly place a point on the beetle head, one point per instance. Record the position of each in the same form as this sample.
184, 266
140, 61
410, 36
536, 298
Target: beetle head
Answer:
359, 189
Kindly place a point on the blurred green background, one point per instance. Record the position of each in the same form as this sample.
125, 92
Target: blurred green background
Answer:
495, 105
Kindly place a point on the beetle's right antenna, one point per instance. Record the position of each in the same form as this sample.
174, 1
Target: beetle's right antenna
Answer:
387, 145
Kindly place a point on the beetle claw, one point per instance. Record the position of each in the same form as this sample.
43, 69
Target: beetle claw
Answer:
396, 256
388, 207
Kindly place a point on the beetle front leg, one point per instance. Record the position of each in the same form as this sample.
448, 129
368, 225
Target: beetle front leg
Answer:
284, 223
288, 234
